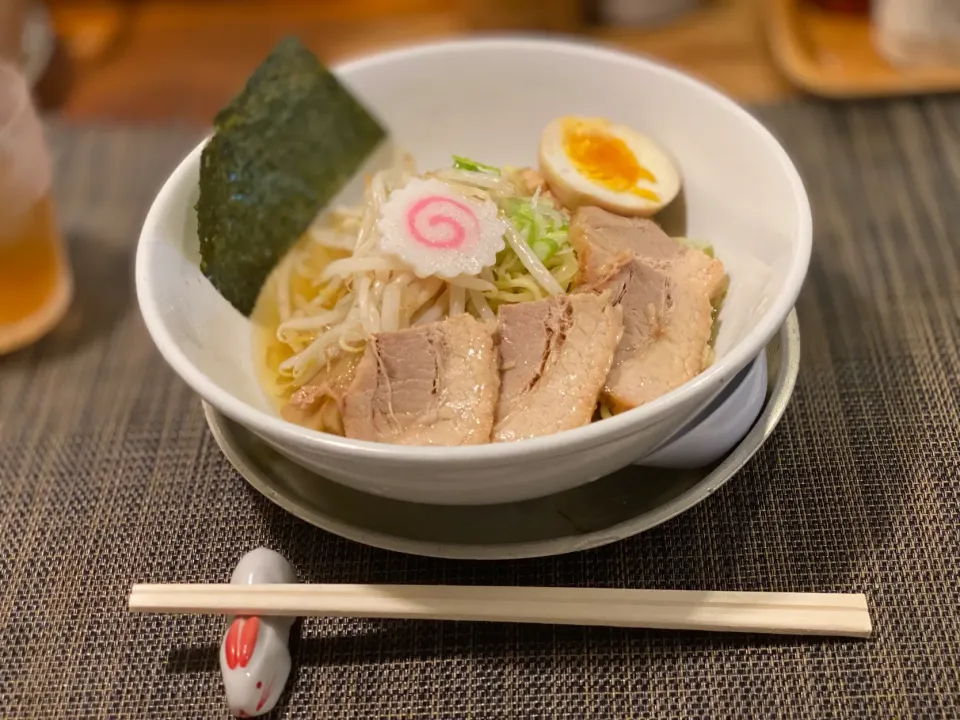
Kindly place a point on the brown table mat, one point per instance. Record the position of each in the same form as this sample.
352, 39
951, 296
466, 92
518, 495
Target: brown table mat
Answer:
108, 476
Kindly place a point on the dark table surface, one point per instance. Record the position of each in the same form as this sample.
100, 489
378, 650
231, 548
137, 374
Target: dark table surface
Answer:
108, 476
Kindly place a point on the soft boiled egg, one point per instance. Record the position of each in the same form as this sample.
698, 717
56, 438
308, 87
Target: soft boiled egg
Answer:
590, 161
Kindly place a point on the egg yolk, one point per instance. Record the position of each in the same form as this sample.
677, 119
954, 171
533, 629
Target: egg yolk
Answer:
606, 160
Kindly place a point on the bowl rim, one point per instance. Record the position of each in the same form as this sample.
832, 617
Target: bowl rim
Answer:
565, 442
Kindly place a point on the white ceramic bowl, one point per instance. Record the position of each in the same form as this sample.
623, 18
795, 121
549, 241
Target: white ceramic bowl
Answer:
489, 99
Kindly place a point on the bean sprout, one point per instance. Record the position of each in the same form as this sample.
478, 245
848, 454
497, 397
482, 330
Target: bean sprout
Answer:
336, 288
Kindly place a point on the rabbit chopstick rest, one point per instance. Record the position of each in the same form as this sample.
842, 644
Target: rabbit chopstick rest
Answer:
255, 653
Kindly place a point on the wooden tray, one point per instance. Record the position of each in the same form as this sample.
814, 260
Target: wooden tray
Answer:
832, 54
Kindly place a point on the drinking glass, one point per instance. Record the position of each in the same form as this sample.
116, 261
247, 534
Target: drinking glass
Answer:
13, 15
36, 284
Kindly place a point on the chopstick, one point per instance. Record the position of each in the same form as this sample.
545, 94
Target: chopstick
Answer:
754, 612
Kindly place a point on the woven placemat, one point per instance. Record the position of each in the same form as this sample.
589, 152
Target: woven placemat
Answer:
108, 476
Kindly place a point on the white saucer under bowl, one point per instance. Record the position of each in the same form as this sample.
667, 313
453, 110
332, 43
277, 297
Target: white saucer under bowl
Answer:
610, 509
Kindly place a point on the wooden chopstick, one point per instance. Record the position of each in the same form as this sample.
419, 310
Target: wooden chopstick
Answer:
756, 612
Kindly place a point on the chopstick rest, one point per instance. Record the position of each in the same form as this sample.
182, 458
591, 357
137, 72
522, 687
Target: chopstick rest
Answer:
255, 653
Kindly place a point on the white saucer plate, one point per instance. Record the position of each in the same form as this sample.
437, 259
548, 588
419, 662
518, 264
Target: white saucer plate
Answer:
615, 507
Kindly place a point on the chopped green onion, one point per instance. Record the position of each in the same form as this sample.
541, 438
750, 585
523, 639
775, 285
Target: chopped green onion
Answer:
705, 248
462, 163
545, 229
545, 249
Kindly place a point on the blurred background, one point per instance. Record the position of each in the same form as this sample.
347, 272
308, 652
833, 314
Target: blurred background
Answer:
149, 60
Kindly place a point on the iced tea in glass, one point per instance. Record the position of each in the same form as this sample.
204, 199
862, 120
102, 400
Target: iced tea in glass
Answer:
35, 280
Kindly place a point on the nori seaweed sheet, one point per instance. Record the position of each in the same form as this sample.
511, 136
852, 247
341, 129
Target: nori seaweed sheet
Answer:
283, 148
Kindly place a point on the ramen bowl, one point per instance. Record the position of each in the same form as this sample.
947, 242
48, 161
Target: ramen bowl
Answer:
490, 99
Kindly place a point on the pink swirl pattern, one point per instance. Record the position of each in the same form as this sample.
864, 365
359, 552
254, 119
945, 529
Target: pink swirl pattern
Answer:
439, 232
442, 223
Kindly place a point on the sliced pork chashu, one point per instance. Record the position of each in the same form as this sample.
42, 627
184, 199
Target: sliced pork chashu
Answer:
666, 330
318, 404
430, 385
666, 290
603, 239
554, 357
